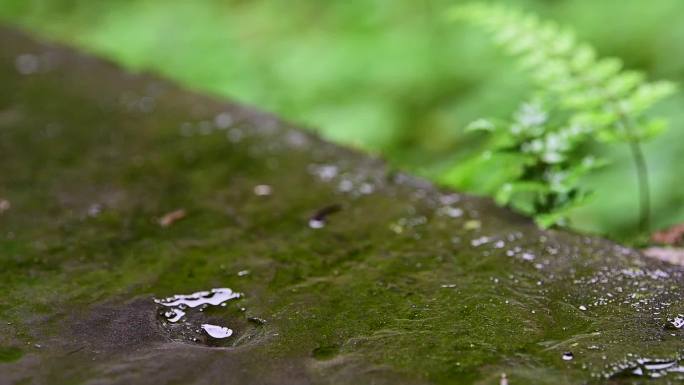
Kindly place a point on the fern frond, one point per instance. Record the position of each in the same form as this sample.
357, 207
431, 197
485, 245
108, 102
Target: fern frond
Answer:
589, 97
568, 70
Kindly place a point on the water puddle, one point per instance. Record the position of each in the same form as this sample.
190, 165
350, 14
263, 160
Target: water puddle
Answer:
204, 317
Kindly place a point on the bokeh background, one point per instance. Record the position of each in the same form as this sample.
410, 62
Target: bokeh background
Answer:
392, 77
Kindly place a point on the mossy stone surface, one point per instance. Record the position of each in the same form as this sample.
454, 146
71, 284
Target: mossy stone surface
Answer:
348, 272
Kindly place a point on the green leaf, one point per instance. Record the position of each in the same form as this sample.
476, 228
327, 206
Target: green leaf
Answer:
597, 120
583, 99
648, 94
563, 43
603, 70
481, 125
623, 83
559, 216
583, 58
506, 193
651, 128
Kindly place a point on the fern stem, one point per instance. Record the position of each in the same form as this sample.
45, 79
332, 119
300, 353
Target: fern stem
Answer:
644, 190
642, 175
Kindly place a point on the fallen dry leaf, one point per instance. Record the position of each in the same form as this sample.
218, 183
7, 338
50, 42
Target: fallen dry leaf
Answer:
674, 256
170, 218
672, 236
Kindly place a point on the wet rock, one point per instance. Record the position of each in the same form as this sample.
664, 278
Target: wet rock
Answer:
408, 284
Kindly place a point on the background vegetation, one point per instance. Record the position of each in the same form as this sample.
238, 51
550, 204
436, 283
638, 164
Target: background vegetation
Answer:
389, 76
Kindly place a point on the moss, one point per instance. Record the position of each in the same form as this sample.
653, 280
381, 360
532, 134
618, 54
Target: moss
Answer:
10, 353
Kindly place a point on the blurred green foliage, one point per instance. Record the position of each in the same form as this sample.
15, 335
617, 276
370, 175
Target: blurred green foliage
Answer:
392, 77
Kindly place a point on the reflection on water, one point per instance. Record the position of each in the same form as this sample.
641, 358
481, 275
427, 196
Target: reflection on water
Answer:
218, 332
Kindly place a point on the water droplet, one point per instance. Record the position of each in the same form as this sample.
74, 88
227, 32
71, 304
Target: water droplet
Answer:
94, 210
27, 64
479, 241
582, 307
174, 315
296, 139
316, 223
318, 220
205, 127
325, 172
651, 368
345, 185
449, 199
675, 323
243, 273
218, 332
451, 212
223, 120
503, 380
567, 356
146, 104
234, 135
262, 190
257, 320
366, 188
4, 205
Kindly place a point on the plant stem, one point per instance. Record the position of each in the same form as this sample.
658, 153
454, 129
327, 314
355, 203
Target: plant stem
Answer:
642, 177
644, 191
642, 174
